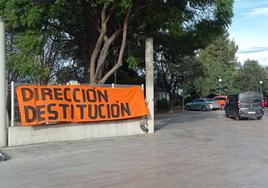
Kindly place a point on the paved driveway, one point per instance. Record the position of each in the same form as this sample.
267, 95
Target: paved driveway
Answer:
188, 150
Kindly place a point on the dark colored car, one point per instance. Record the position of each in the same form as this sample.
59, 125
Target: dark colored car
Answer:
244, 105
203, 104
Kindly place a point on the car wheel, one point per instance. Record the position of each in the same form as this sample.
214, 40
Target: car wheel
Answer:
236, 116
187, 108
259, 118
204, 108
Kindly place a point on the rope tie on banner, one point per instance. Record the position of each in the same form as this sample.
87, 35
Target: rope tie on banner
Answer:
2, 157
144, 124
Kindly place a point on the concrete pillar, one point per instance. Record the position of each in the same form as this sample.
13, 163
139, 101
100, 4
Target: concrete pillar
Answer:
149, 59
3, 128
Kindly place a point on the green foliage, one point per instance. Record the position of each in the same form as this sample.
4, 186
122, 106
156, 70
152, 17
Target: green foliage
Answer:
181, 21
162, 105
29, 42
75, 25
72, 72
21, 14
220, 62
202, 86
132, 62
23, 58
177, 73
125, 4
32, 54
249, 76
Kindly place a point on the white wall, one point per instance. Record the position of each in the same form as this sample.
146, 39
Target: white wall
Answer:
70, 132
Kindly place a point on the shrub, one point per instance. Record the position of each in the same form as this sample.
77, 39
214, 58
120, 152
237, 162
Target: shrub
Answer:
162, 105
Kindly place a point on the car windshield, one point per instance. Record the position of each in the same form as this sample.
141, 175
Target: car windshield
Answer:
250, 97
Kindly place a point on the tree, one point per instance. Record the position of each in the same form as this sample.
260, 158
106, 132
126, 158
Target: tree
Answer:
33, 47
249, 76
174, 72
220, 63
95, 28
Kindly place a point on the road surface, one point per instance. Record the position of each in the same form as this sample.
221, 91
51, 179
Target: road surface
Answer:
188, 150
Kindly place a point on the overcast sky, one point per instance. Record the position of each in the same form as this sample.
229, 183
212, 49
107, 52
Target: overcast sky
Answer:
250, 30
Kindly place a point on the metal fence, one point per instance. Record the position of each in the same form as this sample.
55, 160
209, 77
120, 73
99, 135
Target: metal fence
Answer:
13, 107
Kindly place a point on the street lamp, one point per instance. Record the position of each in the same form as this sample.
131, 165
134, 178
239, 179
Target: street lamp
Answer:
220, 80
261, 82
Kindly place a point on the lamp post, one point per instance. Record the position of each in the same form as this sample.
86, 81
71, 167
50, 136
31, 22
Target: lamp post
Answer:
220, 80
261, 82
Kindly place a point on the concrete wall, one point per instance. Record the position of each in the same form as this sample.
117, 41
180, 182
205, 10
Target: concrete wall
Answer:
69, 132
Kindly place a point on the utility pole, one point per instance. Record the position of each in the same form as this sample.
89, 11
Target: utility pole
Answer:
3, 129
149, 68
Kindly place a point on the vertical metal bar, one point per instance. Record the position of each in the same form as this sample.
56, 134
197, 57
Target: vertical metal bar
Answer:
12, 103
183, 102
112, 85
142, 86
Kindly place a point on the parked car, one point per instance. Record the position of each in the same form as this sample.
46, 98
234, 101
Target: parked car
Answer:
265, 101
244, 105
221, 100
203, 104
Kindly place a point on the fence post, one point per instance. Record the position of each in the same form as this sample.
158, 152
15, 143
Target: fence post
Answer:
3, 128
183, 102
149, 82
12, 103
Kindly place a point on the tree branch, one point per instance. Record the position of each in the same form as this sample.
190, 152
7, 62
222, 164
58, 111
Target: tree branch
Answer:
105, 50
98, 46
122, 49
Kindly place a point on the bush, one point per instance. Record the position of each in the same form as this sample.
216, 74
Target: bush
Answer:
162, 105
188, 99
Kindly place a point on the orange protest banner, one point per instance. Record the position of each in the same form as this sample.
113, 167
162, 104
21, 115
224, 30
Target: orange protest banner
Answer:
51, 104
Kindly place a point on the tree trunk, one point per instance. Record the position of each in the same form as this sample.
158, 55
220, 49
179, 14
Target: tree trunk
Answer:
102, 47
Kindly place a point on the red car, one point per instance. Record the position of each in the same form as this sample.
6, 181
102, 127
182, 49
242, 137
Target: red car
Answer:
220, 100
265, 101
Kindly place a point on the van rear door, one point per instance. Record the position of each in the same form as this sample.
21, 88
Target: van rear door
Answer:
250, 101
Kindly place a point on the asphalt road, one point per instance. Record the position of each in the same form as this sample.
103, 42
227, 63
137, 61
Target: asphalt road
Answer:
188, 150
